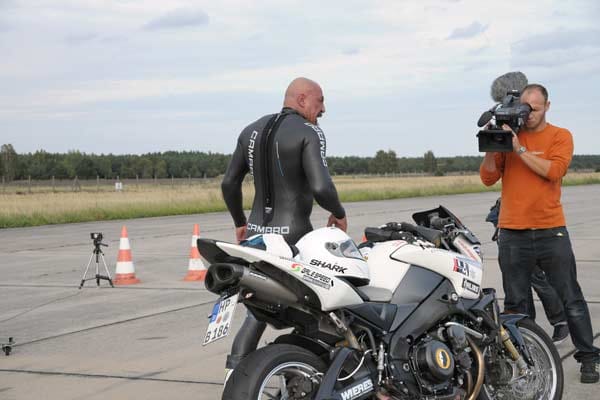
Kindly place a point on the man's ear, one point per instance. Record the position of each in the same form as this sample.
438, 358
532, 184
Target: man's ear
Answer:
547, 107
301, 99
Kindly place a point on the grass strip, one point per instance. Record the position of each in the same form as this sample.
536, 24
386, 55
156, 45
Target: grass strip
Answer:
22, 210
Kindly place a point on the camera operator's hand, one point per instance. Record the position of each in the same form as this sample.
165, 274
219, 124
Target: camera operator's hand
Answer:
489, 162
515, 139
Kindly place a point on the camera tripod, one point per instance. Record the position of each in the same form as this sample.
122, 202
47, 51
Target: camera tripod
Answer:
99, 254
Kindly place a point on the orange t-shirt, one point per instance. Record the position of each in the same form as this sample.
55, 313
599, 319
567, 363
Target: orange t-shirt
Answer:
530, 201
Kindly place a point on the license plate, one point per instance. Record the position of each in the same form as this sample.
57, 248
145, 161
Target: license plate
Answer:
220, 319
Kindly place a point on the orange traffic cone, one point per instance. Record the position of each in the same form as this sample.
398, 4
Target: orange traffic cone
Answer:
125, 273
196, 268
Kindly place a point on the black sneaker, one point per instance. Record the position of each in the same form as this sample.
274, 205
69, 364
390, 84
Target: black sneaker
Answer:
561, 332
589, 372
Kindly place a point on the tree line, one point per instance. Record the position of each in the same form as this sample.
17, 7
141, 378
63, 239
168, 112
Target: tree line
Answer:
196, 164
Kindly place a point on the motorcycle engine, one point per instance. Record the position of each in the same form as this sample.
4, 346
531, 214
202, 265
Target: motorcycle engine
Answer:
434, 361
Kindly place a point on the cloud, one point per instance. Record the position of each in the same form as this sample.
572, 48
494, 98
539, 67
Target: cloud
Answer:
577, 49
351, 51
80, 38
468, 32
557, 40
7, 4
181, 18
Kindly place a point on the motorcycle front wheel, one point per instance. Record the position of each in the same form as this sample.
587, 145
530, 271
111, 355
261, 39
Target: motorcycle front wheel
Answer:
277, 371
545, 379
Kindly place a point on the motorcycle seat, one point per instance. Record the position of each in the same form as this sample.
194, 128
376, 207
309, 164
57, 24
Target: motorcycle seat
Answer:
376, 294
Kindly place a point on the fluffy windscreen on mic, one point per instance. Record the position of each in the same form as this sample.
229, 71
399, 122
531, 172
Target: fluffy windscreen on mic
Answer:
510, 81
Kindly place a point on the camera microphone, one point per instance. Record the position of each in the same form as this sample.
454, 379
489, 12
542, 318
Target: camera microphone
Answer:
506, 83
502, 85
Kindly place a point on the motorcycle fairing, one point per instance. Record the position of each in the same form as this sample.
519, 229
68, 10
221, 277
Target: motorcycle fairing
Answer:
333, 293
385, 274
436, 307
465, 273
378, 315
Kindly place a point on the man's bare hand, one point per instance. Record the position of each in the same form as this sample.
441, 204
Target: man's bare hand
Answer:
240, 233
515, 139
341, 223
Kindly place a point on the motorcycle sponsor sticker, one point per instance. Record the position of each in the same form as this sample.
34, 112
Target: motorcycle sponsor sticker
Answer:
461, 266
357, 391
467, 267
312, 276
296, 267
470, 286
334, 267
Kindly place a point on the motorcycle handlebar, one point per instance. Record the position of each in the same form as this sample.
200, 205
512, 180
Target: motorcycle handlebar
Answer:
440, 223
389, 232
431, 235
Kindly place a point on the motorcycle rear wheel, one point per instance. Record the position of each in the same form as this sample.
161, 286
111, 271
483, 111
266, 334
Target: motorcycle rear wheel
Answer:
277, 371
546, 381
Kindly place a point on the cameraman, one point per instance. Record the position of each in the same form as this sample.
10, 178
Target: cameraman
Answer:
553, 306
532, 223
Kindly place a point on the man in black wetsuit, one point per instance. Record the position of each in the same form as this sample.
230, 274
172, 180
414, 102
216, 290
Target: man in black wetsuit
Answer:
285, 153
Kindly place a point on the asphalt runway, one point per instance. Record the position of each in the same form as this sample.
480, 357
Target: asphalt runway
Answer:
144, 341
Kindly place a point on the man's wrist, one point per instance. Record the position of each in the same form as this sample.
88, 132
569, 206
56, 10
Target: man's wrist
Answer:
343, 214
521, 150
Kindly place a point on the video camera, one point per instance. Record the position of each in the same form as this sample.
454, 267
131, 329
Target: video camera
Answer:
506, 91
97, 238
510, 112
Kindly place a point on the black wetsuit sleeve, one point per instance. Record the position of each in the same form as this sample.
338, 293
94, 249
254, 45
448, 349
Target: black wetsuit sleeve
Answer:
315, 167
232, 185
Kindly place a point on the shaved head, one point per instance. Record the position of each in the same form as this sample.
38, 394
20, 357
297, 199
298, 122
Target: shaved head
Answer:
306, 97
299, 86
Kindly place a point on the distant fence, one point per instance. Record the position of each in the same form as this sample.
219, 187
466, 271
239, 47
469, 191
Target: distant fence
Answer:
31, 186
99, 184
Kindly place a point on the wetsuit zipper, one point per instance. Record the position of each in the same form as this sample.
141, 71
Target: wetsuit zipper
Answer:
267, 150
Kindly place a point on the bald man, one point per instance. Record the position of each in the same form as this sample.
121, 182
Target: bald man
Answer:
285, 152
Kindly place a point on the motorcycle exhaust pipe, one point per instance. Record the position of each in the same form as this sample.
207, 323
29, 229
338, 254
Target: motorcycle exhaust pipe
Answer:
222, 276
480, 370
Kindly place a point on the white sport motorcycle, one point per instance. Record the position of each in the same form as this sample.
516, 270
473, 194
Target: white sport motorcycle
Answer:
403, 317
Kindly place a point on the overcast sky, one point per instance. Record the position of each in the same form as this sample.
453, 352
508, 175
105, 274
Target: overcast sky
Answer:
143, 76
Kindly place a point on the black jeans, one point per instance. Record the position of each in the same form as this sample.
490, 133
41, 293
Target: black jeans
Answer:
552, 304
550, 249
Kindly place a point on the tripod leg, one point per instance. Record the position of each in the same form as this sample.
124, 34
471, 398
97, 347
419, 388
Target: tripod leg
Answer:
86, 271
106, 269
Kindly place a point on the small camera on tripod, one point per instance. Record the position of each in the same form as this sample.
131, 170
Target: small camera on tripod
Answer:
97, 238
97, 252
